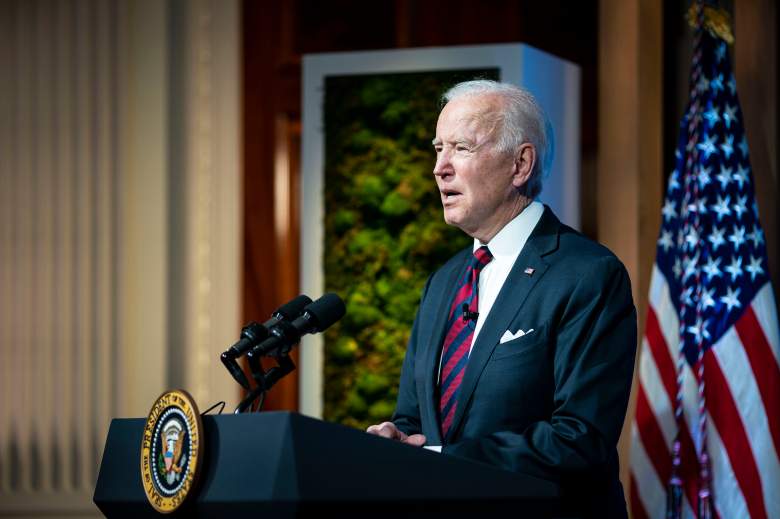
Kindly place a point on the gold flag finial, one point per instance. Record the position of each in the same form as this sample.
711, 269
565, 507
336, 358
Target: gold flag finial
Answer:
716, 20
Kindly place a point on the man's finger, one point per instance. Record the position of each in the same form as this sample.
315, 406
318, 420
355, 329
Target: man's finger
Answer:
385, 430
417, 440
388, 430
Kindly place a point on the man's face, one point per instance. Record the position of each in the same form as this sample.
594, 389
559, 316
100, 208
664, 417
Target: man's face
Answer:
475, 180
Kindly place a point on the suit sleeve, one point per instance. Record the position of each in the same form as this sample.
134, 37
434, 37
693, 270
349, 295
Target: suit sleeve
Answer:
595, 346
407, 411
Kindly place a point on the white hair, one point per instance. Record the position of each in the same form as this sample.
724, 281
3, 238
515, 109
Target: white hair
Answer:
522, 120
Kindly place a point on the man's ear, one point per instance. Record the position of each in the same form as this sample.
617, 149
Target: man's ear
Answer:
525, 159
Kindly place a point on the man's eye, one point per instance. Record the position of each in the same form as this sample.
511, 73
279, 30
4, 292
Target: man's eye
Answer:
461, 147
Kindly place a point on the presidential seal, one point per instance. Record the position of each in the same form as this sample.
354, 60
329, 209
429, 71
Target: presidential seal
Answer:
171, 450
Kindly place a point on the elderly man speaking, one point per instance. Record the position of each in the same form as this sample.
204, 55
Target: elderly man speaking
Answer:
522, 351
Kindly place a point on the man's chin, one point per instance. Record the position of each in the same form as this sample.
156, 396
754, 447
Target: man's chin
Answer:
453, 219
450, 218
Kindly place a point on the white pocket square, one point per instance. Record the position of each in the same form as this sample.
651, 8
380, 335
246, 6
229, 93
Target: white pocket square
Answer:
508, 336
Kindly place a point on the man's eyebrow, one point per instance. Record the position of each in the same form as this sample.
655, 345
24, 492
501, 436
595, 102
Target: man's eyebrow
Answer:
437, 141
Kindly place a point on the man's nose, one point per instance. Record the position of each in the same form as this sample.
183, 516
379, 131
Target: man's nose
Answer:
443, 165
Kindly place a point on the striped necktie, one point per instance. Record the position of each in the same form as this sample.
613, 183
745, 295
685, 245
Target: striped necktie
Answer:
460, 332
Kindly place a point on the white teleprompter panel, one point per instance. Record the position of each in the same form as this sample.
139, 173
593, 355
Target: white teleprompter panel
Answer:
553, 81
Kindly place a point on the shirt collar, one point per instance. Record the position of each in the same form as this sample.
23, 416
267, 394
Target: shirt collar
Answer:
509, 241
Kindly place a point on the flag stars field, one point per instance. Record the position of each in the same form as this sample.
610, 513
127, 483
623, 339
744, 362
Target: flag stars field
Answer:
724, 177
740, 207
730, 116
669, 211
735, 267
754, 268
741, 176
704, 177
731, 299
720, 52
708, 146
665, 240
728, 146
743, 147
716, 238
737, 237
722, 207
712, 115
757, 237
711, 268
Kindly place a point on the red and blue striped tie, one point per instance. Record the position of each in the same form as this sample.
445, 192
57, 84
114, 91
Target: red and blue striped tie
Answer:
457, 342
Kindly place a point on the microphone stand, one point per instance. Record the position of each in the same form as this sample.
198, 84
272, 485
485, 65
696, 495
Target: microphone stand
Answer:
232, 366
265, 380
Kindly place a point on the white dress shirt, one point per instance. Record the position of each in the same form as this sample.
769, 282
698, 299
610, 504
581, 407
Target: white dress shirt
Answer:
505, 247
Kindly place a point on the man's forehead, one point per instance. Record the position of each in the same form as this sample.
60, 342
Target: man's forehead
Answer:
475, 105
462, 118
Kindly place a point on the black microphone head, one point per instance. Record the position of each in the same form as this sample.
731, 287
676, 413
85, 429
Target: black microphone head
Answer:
293, 308
326, 310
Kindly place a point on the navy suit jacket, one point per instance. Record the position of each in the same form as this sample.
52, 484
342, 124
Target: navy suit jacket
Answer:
550, 403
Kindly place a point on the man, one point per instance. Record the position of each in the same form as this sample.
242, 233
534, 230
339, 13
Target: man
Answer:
523, 348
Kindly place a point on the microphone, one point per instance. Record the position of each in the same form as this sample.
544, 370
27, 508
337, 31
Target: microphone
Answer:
469, 315
316, 317
253, 333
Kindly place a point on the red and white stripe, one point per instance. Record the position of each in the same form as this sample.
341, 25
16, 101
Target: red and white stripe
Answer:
742, 376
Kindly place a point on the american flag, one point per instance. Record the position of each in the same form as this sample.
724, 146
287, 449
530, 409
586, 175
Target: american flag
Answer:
707, 423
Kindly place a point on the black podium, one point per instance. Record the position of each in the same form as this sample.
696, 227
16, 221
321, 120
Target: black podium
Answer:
280, 464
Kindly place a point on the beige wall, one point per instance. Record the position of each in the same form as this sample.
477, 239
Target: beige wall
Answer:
755, 69
119, 227
630, 160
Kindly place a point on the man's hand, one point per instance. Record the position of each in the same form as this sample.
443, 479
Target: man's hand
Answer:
389, 430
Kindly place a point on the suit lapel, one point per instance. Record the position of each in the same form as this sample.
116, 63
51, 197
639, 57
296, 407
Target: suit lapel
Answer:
441, 305
508, 304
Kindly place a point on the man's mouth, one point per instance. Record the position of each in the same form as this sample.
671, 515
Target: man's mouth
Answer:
448, 195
